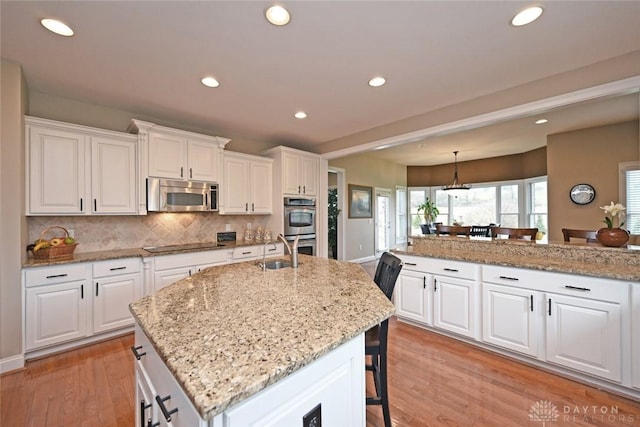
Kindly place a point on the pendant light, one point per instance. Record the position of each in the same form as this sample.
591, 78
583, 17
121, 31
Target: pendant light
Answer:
455, 188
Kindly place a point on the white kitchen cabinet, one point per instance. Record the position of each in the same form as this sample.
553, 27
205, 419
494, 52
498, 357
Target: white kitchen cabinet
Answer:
298, 171
455, 305
168, 269
584, 334
247, 184
56, 304
511, 318
116, 283
413, 296
635, 333
77, 170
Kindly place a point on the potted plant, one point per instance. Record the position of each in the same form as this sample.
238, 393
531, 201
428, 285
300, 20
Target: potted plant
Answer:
430, 214
333, 222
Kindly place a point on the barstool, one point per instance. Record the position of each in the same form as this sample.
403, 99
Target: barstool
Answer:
387, 272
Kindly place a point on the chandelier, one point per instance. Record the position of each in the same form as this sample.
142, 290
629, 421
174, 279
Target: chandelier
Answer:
455, 188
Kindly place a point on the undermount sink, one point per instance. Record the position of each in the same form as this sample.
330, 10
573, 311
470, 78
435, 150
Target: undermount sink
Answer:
274, 265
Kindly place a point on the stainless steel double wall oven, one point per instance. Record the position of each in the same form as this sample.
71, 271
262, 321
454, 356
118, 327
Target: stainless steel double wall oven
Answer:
300, 220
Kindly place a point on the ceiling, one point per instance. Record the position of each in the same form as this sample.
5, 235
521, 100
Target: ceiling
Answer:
148, 57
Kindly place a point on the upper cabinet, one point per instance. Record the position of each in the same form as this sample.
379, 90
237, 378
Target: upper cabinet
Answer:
246, 184
297, 171
78, 170
177, 154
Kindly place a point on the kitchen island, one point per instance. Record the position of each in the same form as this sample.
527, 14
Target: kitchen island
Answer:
234, 334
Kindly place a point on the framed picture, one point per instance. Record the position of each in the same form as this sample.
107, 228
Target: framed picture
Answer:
360, 201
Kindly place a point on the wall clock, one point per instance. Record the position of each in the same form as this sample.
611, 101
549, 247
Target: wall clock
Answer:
582, 194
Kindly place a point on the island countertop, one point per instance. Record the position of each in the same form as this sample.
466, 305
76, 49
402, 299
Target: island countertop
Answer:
228, 332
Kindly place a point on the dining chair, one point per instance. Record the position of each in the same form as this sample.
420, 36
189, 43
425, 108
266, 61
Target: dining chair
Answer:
453, 230
588, 235
385, 277
514, 233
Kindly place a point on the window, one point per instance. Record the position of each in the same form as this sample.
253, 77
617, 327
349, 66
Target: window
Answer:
630, 195
401, 214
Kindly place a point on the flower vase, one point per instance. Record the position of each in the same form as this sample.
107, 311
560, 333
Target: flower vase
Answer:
612, 237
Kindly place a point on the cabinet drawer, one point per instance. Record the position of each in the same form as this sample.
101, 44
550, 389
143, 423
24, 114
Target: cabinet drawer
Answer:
116, 267
192, 258
56, 274
247, 252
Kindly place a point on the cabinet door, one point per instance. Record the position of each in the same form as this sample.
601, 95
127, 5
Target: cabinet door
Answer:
509, 318
56, 171
164, 278
584, 335
236, 185
261, 188
202, 161
113, 176
412, 298
167, 156
290, 182
309, 175
112, 296
635, 333
454, 305
55, 314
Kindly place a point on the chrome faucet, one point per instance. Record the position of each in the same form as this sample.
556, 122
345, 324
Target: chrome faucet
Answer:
292, 249
264, 253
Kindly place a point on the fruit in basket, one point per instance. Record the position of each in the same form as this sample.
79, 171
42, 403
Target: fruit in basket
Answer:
40, 245
69, 240
56, 241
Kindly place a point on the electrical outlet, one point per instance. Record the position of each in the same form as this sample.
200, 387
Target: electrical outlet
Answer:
313, 418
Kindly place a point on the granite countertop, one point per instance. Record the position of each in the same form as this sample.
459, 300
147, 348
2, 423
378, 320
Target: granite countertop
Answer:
129, 253
588, 260
230, 331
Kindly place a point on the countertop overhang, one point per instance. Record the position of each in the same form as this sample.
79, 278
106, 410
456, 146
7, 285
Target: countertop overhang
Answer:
231, 331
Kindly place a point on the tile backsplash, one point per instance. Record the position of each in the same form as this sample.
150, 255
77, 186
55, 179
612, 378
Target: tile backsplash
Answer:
100, 233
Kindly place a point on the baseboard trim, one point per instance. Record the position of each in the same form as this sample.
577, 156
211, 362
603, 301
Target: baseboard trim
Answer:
12, 363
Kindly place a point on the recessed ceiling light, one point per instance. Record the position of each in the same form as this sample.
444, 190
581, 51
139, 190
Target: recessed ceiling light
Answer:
377, 81
541, 121
277, 15
210, 82
57, 27
527, 16
300, 115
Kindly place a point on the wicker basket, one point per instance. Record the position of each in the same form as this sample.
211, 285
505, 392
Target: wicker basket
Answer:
59, 251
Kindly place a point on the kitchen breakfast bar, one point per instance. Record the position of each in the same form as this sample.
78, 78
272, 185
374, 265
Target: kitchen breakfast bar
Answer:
238, 345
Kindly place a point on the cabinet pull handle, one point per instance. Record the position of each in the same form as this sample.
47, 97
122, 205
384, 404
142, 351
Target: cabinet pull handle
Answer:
435, 285
549, 307
95, 205
190, 172
96, 288
167, 414
82, 291
181, 168
410, 263
531, 301
143, 409
117, 268
509, 278
53, 276
450, 269
81, 204
137, 355
577, 288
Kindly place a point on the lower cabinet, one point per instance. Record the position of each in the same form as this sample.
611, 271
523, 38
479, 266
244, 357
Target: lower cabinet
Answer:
584, 335
509, 318
335, 382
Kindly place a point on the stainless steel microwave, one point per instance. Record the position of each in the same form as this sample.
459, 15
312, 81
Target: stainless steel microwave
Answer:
165, 195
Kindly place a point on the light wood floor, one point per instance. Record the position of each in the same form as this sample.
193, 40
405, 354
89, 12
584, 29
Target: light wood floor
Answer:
433, 380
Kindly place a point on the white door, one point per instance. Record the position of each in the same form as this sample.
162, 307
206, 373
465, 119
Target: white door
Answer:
584, 334
383, 220
509, 318
454, 305
412, 296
